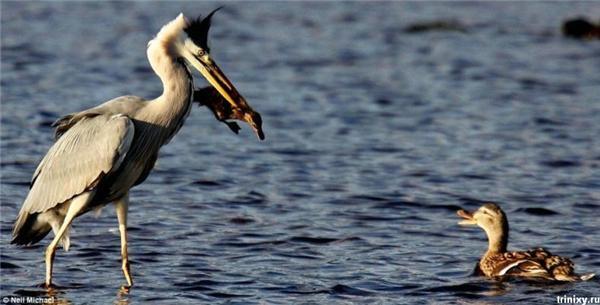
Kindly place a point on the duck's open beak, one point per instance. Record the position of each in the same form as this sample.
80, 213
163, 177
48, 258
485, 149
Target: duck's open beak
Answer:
467, 216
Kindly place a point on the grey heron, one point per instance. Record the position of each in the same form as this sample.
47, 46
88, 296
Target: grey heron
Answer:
101, 153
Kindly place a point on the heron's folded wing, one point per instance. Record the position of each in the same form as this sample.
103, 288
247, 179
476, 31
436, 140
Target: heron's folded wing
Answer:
93, 147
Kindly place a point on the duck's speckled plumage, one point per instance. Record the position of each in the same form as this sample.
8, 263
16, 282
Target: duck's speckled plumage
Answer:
497, 261
538, 262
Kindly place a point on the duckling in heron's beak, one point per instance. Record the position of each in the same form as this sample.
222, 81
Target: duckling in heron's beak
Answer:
224, 112
497, 261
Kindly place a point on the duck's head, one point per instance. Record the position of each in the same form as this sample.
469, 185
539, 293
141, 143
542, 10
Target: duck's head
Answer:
487, 216
491, 219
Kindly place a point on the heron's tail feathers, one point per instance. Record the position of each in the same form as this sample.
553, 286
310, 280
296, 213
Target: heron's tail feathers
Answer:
29, 229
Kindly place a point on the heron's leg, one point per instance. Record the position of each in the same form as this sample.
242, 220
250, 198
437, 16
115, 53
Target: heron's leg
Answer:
75, 206
121, 208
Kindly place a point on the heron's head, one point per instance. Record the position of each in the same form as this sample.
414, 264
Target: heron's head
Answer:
190, 42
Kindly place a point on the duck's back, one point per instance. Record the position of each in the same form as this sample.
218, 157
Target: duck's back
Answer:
537, 263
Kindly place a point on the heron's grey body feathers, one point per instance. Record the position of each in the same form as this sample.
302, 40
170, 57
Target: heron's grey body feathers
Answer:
123, 104
91, 149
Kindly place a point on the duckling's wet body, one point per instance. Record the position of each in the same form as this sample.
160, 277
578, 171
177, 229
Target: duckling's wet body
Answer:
210, 97
497, 261
223, 111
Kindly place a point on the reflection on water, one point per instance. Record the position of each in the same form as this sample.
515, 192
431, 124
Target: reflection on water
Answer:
123, 296
40, 296
376, 137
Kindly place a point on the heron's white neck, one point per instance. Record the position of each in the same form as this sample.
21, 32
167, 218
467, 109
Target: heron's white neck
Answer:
175, 99
171, 108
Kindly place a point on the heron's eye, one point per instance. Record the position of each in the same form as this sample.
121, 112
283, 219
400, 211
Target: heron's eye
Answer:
201, 52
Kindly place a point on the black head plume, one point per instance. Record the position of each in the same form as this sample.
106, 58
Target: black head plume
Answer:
198, 30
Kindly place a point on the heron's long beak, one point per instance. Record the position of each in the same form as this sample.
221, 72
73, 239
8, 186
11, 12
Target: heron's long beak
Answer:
217, 79
468, 219
213, 74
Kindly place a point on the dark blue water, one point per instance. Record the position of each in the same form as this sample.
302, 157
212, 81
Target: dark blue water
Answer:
376, 135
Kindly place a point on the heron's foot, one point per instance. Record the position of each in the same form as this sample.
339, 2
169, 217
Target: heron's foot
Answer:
124, 289
126, 272
48, 286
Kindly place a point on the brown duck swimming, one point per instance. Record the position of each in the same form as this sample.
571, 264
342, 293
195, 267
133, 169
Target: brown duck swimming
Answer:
225, 111
538, 263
